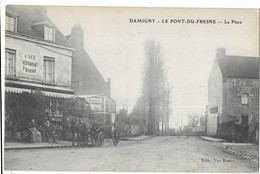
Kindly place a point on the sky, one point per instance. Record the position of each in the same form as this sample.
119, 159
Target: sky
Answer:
116, 46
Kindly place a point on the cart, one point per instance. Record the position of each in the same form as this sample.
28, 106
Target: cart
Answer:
102, 127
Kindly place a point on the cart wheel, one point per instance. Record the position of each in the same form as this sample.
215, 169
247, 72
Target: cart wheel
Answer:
115, 137
100, 139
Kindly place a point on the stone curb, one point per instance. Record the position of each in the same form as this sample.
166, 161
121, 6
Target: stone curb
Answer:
211, 140
37, 147
64, 146
133, 139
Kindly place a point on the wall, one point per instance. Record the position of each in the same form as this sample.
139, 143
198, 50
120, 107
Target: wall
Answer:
110, 104
232, 107
62, 63
215, 86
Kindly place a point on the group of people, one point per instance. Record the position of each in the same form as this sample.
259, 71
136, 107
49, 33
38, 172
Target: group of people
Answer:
41, 133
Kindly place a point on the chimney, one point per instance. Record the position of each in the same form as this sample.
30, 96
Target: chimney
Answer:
221, 52
77, 37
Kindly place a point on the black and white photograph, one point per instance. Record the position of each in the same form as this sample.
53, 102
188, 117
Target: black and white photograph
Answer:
129, 89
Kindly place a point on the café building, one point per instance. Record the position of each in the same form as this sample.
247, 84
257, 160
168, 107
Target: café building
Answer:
38, 65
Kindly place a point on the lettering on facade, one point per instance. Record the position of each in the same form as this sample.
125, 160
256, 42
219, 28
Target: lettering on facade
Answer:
95, 104
94, 100
30, 64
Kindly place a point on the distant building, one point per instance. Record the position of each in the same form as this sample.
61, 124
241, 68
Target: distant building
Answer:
38, 58
233, 97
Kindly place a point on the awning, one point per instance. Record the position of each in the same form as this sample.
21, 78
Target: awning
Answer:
42, 87
57, 95
46, 93
16, 90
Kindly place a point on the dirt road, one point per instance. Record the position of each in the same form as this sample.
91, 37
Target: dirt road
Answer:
162, 154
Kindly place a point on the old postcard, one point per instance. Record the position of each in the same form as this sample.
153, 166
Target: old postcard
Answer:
128, 89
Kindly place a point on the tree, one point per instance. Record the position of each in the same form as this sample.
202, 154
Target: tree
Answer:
153, 84
196, 120
153, 106
123, 113
21, 108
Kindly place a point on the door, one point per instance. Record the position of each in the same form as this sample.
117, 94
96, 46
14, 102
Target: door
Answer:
244, 127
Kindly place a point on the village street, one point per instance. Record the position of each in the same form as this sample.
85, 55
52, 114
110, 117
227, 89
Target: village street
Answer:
164, 154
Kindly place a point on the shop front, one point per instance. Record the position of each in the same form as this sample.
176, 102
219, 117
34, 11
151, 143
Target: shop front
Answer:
40, 104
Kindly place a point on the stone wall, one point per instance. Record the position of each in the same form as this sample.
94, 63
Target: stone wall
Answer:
233, 109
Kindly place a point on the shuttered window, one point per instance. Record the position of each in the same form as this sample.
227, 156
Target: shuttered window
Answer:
10, 62
244, 99
49, 69
48, 33
10, 23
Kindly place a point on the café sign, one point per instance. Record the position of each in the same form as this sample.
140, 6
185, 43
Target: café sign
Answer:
30, 63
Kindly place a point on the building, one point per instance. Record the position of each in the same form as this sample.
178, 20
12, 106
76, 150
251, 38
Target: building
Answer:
233, 97
88, 82
38, 63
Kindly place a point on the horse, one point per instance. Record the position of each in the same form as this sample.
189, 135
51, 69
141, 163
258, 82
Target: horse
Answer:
81, 126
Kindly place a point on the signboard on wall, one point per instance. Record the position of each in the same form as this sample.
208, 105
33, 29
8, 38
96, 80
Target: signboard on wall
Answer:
30, 64
95, 104
94, 100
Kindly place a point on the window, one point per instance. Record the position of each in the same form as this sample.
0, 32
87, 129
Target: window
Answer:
10, 23
10, 61
48, 69
48, 33
244, 99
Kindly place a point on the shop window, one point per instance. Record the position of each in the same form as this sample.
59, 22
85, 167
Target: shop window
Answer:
10, 23
10, 61
49, 33
244, 99
49, 69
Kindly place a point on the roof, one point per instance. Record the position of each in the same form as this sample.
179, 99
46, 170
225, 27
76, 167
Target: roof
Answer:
239, 67
28, 17
86, 77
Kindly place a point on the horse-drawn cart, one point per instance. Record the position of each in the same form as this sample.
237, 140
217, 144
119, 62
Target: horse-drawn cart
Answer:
94, 130
96, 121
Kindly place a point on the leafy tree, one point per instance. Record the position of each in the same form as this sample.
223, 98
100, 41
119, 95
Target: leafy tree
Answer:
153, 84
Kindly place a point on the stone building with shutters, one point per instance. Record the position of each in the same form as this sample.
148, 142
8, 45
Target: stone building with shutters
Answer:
233, 98
38, 67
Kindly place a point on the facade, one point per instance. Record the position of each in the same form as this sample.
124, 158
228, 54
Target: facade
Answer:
38, 62
233, 97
